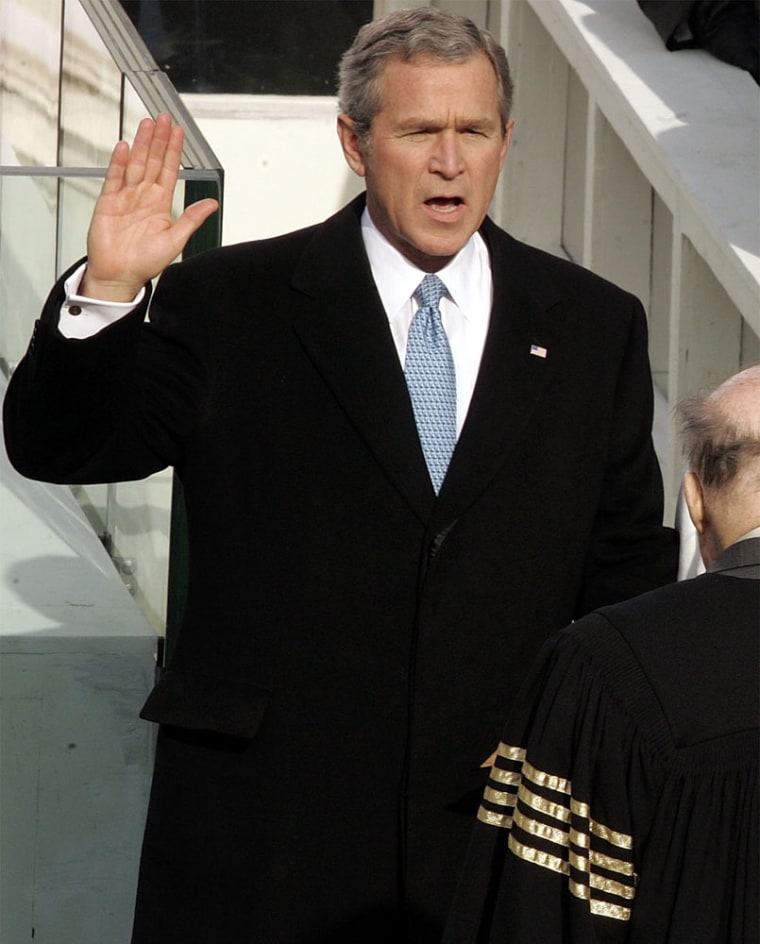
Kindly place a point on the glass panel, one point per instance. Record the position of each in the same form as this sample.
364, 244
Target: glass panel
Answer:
94, 502
27, 258
30, 43
76, 198
139, 523
90, 94
45, 209
133, 112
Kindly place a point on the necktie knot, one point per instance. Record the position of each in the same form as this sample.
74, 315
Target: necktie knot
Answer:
430, 291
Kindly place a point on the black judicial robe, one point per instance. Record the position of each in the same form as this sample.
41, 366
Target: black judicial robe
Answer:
624, 804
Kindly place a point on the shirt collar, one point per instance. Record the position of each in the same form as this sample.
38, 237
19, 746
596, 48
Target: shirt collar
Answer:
396, 278
754, 533
740, 559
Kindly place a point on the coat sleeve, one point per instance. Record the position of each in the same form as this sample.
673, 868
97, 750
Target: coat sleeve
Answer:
116, 406
553, 855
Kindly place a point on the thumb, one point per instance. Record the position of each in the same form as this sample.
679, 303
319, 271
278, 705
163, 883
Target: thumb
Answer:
194, 217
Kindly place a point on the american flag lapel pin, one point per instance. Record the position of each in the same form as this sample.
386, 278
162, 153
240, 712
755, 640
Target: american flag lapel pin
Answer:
537, 351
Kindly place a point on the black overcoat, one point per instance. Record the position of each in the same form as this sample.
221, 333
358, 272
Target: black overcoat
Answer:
352, 642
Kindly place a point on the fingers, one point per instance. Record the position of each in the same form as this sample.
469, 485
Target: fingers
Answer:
138, 155
155, 154
116, 168
164, 153
168, 170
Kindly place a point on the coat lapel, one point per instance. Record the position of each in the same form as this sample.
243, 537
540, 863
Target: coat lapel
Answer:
515, 369
345, 333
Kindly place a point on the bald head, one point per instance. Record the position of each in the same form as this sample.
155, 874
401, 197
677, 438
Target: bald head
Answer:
721, 443
738, 401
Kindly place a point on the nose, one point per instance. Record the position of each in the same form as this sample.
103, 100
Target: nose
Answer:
447, 158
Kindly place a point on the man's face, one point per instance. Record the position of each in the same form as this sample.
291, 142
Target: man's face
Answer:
433, 157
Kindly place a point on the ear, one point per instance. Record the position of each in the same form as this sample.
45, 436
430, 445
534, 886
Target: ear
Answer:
506, 143
695, 501
352, 148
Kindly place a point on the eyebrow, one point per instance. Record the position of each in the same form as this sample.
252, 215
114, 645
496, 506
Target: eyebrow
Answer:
430, 124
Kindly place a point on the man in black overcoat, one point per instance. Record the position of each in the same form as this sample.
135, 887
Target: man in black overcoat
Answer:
353, 633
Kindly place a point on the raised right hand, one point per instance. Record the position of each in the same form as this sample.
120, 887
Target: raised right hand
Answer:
132, 237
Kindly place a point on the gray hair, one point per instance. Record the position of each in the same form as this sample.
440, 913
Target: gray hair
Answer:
720, 440
405, 34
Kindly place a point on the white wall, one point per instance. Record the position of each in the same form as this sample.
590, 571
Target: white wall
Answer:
283, 165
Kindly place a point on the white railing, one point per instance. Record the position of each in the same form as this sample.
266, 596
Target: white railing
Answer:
642, 165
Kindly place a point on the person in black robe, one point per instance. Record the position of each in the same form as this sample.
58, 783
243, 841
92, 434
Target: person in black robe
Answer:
623, 801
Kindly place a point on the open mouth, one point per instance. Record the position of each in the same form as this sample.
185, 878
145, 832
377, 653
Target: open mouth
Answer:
445, 204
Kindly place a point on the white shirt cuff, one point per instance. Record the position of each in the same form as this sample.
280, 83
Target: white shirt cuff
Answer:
83, 317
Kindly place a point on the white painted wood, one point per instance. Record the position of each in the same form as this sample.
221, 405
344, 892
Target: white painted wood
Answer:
659, 298
689, 121
575, 209
530, 197
709, 328
622, 215
661, 183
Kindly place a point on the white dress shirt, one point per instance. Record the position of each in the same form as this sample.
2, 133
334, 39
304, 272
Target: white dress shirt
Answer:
465, 313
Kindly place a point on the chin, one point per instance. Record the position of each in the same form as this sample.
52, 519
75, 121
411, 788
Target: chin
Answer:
442, 249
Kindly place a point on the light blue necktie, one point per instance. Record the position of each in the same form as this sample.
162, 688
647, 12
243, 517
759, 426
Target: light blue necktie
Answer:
430, 377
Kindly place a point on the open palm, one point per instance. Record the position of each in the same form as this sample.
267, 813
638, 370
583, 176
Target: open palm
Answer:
132, 236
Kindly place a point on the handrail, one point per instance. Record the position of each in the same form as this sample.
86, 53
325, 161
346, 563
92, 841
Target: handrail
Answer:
665, 108
135, 61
